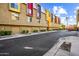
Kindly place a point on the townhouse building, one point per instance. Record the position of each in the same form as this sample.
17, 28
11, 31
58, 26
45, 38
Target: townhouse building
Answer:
14, 17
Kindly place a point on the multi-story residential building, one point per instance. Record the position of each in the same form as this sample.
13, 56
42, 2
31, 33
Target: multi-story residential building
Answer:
14, 17
56, 22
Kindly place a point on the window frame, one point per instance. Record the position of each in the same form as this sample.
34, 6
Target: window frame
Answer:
14, 9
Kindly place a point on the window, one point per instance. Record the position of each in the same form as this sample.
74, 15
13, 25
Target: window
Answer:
15, 16
29, 19
14, 7
30, 9
51, 17
37, 14
38, 11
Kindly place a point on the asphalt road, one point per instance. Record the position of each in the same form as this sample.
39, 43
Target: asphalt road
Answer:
35, 45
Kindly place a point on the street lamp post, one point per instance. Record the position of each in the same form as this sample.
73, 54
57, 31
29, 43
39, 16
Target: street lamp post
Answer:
67, 20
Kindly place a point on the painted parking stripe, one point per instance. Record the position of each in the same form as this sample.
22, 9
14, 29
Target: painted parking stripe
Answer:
28, 48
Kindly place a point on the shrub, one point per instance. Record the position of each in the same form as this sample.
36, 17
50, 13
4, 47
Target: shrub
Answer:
8, 32
25, 31
2, 33
60, 29
42, 30
35, 31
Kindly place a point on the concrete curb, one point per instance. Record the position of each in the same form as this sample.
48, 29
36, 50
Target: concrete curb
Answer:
23, 35
55, 48
56, 51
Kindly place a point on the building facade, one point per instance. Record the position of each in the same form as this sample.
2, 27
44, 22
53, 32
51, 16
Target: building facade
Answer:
77, 17
14, 17
56, 22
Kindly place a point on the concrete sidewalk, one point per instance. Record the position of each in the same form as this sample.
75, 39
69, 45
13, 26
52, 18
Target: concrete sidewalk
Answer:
56, 51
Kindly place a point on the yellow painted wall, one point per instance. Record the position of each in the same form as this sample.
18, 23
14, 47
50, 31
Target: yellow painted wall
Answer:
48, 18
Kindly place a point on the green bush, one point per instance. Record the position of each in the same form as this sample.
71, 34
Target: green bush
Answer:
25, 31
42, 30
35, 31
8, 32
59, 29
2, 33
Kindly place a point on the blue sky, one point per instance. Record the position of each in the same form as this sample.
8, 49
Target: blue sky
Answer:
62, 10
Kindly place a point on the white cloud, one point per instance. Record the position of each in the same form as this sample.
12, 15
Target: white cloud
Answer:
72, 20
58, 10
74, 16
77, 7
70, 16
63, 20
55, 8
74, 11
62, 10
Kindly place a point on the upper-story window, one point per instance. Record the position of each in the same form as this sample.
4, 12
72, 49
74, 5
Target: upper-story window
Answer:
51, 17
14, 7
38, 11
30, 9
29, 19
